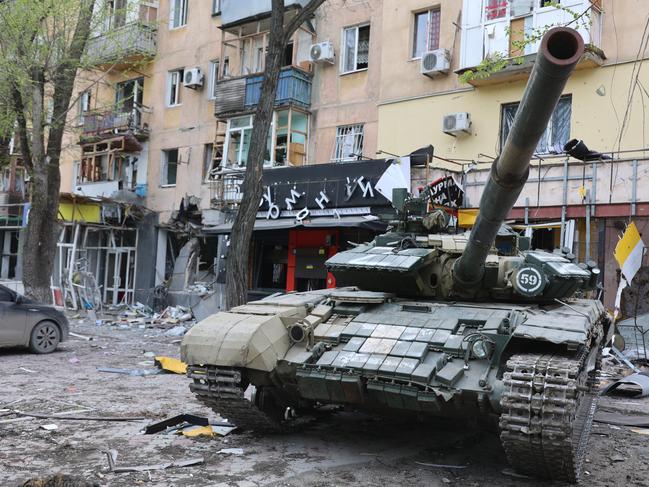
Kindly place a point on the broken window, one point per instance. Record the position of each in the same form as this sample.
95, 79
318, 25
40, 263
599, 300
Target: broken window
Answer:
169, 167
237, 140
356, 48
426, 32
213, 78
349, 143
208, 156
290, 137
84, 104
556, 134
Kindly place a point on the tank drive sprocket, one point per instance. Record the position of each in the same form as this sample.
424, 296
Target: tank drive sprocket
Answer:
547, 411
223, 390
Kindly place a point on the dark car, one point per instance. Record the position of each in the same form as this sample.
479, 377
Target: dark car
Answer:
24, 322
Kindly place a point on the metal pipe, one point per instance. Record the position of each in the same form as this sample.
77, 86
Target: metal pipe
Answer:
560, 50
564, 202
588, 210
634, 188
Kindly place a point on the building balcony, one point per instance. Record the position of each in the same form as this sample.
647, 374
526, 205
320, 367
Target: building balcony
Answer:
505, 32
225, 190
235, 12
101, 124
121, 45
240, 95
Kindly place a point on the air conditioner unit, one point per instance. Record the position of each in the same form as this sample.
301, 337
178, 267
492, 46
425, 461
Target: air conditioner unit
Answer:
435, 62
457, 124
193, 78
323, 52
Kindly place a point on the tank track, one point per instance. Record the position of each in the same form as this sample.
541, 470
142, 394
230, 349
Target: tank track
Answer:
222, 389
548, 406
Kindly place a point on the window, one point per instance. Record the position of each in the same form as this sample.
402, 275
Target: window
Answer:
495, 9
349, 143
356, 48
237, 140
169, 167
174, 81
116, 13
554, 137
216, 7
252, 56
290, 136
226, 67
426, 35
214, 77
178, 13
84, 104
208, 156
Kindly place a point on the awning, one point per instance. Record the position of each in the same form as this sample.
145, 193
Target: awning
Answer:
368, 222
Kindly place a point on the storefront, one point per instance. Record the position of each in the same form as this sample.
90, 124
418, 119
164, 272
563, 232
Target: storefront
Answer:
309, 213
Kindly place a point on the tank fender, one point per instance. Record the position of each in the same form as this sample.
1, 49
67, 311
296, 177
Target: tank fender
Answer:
236, 340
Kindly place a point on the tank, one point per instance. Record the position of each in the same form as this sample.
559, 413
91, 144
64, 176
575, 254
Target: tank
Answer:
430, 322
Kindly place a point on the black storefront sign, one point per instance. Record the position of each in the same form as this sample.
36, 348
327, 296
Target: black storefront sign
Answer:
446, 192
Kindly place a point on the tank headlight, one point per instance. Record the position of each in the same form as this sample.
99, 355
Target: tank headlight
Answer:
481, 349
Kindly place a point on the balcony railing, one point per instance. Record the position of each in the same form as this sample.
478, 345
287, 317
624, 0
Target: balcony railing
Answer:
225, 190
109, 122
129, 41
242, 94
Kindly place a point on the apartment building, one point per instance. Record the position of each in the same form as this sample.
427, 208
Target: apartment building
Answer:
174, 100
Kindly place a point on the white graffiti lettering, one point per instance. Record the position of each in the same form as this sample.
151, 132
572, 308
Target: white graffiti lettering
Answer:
322, 200
273, 212
366, 187
292, 199
303, 213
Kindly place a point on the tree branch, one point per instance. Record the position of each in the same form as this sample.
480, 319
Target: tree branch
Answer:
303, 15
19, 108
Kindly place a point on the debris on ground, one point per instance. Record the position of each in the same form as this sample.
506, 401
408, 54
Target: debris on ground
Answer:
112, 461
141, 316
231, 451
622, 419
190, 425
170, 364
634, 385
131, 372
59, 480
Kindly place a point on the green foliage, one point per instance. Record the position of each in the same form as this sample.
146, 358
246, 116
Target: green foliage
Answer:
498, 61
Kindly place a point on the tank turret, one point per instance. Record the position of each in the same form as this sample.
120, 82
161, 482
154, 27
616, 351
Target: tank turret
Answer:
421, 257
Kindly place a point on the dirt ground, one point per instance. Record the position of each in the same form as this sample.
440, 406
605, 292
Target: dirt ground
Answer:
343, 449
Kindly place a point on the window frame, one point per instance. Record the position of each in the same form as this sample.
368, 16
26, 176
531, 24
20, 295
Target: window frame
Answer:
215, 65
184, 9
164, 173
225, 163
549, 128
216, 7
343, 50
85, 99
428, 12
180, 72
340, 136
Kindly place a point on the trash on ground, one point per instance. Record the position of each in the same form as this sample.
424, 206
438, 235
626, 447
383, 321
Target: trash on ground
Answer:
621, 419
49, 427
640, 431
187, 423
231, 451
176, 331
131, 372
439, 465
170, 364
74, 360
112, 464
511, 473
25, 369
82, 337
634, 385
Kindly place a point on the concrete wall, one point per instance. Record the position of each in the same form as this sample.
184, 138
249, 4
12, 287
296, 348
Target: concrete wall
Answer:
349, 98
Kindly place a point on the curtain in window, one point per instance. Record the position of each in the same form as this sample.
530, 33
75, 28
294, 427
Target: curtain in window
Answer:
495, 9
433, 29
362, 56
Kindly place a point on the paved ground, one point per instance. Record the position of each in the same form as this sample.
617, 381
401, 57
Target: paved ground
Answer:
344, 449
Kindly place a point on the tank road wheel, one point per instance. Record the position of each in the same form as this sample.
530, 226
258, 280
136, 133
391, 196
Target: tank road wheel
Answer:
222, 389
548, 406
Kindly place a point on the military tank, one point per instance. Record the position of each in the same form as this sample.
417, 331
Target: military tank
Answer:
431, 322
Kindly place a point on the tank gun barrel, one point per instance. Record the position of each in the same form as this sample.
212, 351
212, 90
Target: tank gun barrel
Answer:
560, 50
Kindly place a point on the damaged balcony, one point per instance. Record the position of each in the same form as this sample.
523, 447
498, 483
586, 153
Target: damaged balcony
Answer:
100, 124
242, 94
131, 42
225, 189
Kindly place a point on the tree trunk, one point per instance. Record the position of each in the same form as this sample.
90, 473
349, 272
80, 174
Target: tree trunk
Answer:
244, 222
39, 248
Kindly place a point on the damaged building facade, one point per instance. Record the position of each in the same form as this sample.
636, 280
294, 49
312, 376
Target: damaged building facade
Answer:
164, 125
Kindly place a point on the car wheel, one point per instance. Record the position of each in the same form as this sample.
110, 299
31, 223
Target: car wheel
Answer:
45, 337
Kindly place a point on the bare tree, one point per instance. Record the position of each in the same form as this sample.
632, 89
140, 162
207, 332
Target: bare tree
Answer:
242, 228
41, 47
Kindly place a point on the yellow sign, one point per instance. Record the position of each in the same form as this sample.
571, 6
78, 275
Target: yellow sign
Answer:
467, 218
83, 212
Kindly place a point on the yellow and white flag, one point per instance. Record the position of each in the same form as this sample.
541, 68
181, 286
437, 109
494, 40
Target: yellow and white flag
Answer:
629, 252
